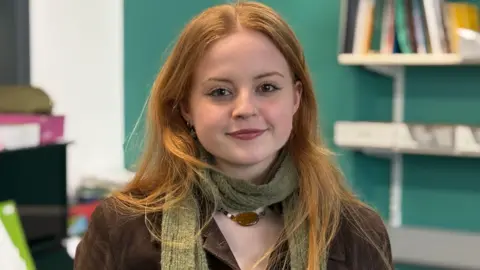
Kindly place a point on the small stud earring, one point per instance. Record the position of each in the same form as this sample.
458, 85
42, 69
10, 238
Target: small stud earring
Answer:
193, 133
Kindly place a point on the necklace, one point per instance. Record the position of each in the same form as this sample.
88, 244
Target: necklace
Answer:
245, 219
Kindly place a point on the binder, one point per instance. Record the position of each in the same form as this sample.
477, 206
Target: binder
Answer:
14, 251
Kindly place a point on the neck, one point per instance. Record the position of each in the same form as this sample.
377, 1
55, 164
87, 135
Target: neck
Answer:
254, 173
233, 189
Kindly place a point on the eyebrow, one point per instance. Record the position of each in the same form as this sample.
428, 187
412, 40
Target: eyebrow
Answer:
259, 76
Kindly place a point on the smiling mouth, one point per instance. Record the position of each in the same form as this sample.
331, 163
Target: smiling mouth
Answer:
247, 134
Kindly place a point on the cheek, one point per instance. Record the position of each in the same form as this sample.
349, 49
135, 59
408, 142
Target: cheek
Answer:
208, 122
281, 119
282, 110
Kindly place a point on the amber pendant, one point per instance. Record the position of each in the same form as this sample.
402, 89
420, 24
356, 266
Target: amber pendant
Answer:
245, 219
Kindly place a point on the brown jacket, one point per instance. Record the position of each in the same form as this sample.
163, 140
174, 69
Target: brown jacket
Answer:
115, 241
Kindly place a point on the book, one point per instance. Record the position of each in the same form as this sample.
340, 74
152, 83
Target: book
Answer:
405, 26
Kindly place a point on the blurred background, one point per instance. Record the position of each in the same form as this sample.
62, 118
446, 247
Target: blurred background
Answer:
397, 84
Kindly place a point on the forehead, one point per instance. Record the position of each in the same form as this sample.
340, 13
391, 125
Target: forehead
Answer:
247, 52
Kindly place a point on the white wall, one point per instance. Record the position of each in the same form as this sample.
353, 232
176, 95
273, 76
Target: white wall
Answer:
77, 57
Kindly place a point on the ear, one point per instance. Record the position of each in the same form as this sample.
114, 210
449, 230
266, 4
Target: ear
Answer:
297, 89
185, 111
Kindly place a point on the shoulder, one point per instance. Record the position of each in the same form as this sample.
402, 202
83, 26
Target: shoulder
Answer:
115, 237
114, 215
94, 250
110, 219
368, 219
364, 239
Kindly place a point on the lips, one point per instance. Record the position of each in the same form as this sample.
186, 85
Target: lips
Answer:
247, 134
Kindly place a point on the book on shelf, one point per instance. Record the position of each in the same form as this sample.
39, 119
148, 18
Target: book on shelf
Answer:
405, 26
19, 131
437, 139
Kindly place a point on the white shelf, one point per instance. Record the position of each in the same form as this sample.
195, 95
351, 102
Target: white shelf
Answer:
388, 153
386, 139
406, 60
437, 248
388, 64
443, 249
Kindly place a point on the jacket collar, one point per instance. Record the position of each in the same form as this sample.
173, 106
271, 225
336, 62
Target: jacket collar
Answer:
215, 243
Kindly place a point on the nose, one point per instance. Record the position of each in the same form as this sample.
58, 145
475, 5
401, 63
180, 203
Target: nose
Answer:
245, 105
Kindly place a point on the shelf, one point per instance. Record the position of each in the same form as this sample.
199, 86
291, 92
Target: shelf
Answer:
435, 248
388, 64
388, 153
406, 60
386, 139
58, 143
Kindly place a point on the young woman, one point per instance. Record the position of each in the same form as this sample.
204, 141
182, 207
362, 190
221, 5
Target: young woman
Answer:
234, 174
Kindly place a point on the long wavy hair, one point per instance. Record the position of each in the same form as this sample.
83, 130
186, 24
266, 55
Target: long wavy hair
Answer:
168, 170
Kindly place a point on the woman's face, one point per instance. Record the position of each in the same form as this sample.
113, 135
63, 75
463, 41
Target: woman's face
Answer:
243, 100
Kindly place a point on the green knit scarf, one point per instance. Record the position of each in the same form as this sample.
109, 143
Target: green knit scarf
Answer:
181, 241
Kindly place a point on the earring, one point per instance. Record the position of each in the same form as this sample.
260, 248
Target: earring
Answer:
193, 133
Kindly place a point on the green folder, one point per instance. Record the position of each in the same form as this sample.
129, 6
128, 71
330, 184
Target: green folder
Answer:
14, 251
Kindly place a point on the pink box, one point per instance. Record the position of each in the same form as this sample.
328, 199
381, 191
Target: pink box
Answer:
51, 126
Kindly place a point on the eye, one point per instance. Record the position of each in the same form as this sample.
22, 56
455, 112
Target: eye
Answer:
268, 87
220, 92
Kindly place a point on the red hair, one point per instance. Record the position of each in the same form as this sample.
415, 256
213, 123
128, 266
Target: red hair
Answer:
167, 171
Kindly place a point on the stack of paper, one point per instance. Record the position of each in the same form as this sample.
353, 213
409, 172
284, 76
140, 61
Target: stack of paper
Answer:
415, 138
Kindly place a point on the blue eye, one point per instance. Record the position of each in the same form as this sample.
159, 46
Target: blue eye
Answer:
219, 92
268, 87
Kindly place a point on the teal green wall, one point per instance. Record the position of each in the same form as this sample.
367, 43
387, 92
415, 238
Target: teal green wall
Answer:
151, 27
442, 192
438, 192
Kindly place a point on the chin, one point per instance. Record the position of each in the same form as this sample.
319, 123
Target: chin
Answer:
244, 161
247, 158
242, 155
